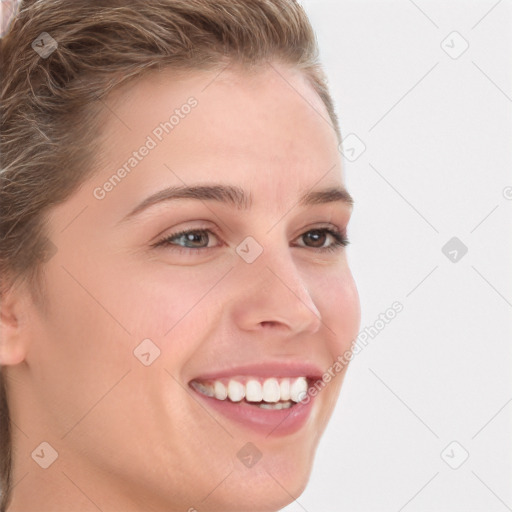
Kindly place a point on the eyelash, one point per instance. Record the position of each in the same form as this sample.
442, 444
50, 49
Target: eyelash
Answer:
340, 240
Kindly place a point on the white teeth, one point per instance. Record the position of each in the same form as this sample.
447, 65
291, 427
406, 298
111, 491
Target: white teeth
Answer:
279, 392
285, 389
271, 390
298, 389
220, 390
236, 391
253, 391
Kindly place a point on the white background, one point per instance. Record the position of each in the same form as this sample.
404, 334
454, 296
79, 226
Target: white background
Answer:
438, 137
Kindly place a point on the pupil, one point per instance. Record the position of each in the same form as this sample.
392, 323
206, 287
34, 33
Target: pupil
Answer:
317, 237
195, 238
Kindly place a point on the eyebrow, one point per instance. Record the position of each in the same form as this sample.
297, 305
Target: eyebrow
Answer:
235, 196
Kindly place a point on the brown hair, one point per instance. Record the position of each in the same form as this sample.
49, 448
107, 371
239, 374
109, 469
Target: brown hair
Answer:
52, 105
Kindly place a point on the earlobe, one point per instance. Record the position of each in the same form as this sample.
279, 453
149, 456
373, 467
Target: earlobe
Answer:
13, 332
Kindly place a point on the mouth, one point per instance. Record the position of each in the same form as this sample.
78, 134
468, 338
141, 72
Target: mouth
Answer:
276, 405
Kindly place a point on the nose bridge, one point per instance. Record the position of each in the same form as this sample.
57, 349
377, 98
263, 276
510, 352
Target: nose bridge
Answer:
274, 293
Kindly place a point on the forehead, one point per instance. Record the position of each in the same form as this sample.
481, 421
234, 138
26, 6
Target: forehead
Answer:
265, 128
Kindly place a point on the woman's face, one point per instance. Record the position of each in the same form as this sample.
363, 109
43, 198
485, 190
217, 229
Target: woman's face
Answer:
142, 322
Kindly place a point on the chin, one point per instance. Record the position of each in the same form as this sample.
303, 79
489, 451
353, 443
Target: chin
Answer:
277, 479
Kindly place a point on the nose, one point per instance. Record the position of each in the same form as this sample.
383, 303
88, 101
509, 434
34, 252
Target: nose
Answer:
274, 295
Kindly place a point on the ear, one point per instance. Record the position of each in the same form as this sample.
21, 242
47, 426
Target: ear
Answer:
14, 311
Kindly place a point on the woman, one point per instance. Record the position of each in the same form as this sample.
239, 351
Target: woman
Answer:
176, 302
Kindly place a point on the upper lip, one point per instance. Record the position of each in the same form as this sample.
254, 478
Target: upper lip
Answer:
266, 369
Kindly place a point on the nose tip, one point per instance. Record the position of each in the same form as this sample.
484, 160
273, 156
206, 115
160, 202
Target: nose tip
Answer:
278, 302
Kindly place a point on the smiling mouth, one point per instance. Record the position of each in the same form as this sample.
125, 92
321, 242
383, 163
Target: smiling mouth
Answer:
271, 393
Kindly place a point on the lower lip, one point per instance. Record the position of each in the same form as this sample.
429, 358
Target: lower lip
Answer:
270, 422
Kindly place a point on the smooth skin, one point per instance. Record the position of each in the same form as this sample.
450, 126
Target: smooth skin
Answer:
133, 437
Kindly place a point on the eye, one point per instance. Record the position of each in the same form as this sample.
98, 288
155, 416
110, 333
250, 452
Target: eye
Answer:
188, 240
316, 239
198, 240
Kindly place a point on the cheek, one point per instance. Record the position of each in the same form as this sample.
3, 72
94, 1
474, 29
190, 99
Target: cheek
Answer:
176, 307
151, 299
338, 303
